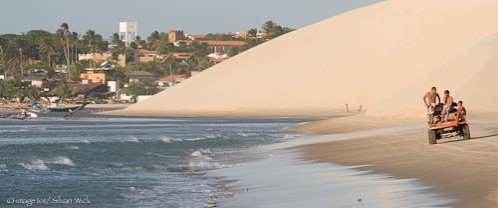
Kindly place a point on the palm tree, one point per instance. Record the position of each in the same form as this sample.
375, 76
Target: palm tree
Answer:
153, 41
169, 61
89, 39
94, 43
63, 34
139, 42
75, 38
47, 47
119, 45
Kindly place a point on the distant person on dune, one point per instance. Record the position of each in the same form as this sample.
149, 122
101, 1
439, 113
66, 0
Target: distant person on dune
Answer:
430, 102
461, 111
448, 105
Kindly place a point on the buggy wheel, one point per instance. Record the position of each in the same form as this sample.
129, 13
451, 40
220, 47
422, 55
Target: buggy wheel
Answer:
438, 135
466, 132
432, 137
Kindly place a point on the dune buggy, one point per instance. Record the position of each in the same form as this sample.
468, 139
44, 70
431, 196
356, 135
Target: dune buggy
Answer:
453, 127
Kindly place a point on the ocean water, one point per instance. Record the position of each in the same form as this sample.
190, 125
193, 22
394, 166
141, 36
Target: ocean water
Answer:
95, 161
285, 180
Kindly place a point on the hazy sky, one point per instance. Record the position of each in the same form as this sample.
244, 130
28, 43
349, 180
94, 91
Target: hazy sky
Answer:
193, 16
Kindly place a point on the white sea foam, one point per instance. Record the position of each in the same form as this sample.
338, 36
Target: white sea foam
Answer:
116, 164
85, 141
134, 139
36, 164
196, 154
161, 155
73, 147
13, 130
3, 167
246, 134
61, 160
167, 139
205, 165
289, 137
201, 153
212, 136
201, 160
194, 139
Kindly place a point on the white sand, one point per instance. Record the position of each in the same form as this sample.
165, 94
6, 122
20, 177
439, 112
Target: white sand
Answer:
363, 57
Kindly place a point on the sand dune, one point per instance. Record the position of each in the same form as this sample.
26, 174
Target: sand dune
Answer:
363, 57
470, 77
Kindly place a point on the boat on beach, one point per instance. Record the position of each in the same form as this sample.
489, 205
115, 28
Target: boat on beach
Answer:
61, 108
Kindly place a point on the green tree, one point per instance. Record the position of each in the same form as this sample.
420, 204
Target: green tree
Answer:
94, 43
233, 51
142, 87
252, 32
62, 91
274, 30
63, 35
76, 69
153, 41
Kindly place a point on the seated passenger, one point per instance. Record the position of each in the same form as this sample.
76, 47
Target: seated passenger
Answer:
448, 104
461, 111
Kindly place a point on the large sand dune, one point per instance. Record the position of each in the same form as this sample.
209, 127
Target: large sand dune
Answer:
383, 56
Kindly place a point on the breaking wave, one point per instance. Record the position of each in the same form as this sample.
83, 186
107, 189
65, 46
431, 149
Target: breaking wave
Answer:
170, 140
73, 147
61, 160
35, 165
38, 164
133, 139
201, 160
3, 167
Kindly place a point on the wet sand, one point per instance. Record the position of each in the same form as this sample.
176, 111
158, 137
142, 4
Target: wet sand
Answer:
464, 170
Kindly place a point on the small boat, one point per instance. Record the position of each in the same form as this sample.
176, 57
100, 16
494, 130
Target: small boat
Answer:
66, 109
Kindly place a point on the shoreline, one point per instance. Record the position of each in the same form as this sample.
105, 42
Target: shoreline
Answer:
464, 170
14, 107
285, 179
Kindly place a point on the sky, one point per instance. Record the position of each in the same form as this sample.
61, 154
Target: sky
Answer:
192, 16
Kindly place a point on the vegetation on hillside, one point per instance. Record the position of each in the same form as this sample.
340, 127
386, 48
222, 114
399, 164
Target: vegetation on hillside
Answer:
42, 50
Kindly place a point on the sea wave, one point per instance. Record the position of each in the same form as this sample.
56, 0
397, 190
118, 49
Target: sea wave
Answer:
13, 130
23, 129
61, 160
73, 147
133, 139
289, 137
201, 160
160, 155
171, 140
35, 165
3, 168
167, 139
39, 164
246, 134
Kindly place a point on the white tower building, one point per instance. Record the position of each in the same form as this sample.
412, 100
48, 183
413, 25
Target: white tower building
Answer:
128, 32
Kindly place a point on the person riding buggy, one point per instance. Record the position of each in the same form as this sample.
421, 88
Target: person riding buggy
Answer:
447, 119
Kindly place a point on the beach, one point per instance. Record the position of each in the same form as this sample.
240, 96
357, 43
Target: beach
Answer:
463, 170
365, 70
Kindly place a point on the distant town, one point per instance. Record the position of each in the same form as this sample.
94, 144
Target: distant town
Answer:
66, 67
